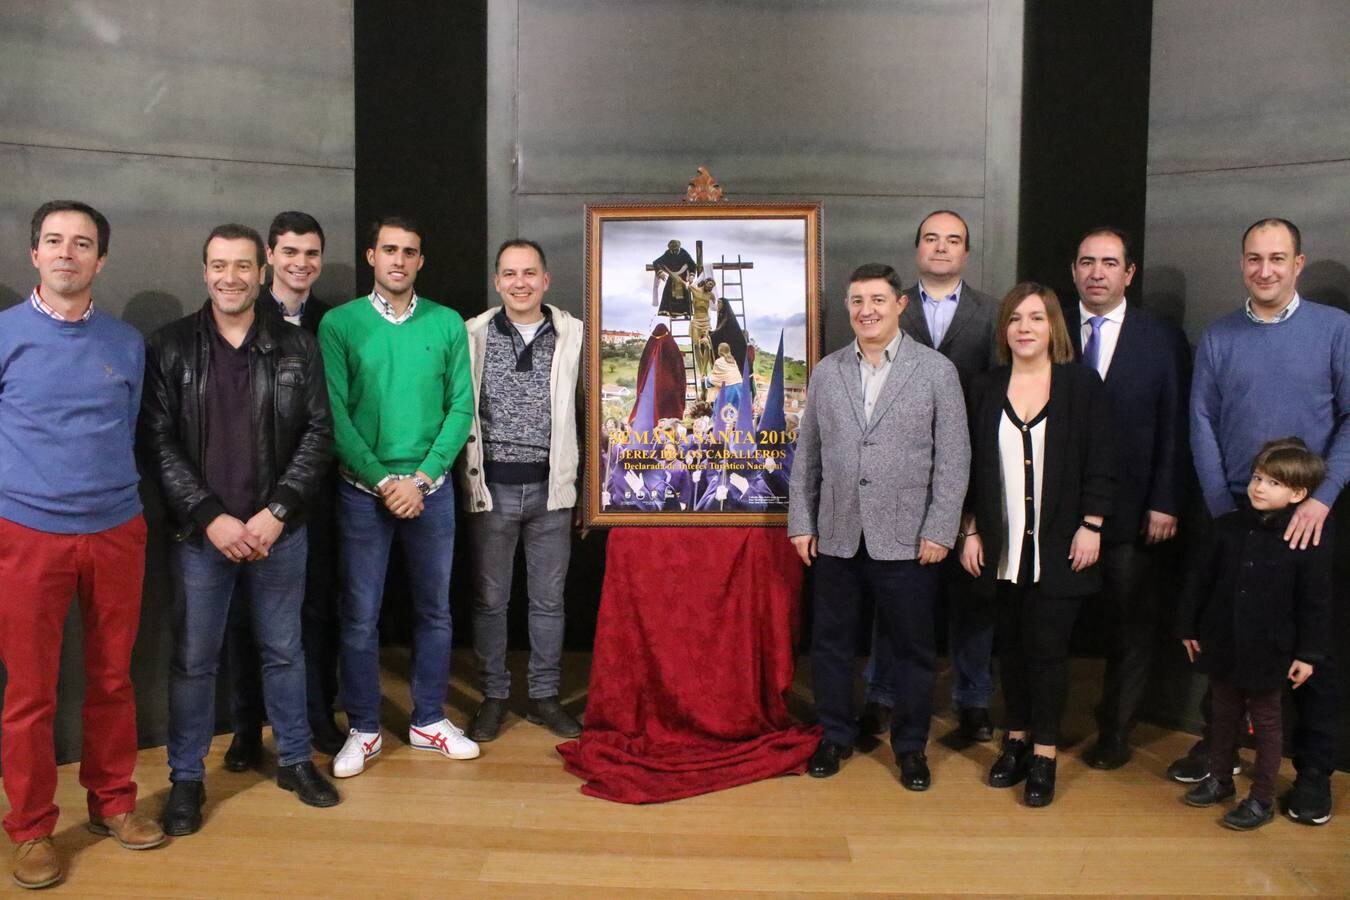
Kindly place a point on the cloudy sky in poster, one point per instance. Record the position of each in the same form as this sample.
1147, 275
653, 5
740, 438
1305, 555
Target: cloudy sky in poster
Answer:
774, 290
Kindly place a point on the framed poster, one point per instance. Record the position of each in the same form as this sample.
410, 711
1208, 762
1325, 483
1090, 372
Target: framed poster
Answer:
702, 326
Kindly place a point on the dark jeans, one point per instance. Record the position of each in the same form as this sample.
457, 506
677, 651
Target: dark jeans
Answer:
1033, 640
903, 594
318, 633
366, 531
520, 515
1131, 601
203, 584
1230, 702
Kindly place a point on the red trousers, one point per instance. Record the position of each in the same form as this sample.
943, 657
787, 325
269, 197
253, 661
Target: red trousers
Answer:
39, 573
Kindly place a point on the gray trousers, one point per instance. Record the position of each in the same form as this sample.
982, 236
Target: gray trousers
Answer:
520, 511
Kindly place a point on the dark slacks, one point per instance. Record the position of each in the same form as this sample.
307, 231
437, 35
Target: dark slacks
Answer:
1131, 606
1229, 704
1033, 638
903, 594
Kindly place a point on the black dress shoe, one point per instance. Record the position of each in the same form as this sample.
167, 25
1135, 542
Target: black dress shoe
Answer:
1040, 789
311, 787
875, 719
914, 774
1110, 753
975, 724
183, 810
547, 711
825, 761
487, 721
1248, 814
326, 737
244, 752
1209, 792
1011, 766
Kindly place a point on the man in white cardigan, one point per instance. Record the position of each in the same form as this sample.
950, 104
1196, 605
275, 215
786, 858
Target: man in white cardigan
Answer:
519, 473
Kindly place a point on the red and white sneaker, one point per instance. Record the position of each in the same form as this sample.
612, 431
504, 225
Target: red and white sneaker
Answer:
360, 746
443, 738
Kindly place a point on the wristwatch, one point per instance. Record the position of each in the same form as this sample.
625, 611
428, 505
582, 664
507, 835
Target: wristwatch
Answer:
279, 510
423, 486
1091, 526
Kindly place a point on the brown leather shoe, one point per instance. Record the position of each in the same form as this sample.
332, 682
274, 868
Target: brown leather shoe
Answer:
36, 864
131, 829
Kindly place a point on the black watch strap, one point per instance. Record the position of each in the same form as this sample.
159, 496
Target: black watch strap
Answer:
1090, 526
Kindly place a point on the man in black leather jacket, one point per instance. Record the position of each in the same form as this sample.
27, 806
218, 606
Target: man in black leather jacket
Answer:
235, 427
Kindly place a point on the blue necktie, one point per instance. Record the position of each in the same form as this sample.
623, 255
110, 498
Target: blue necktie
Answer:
1094, 343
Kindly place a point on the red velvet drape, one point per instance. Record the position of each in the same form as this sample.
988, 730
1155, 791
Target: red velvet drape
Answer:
692, 663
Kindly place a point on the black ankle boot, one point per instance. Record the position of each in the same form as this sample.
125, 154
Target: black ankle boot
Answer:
1011, 765
1040, 789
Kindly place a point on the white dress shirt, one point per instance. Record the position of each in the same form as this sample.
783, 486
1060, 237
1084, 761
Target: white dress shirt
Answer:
1107, 335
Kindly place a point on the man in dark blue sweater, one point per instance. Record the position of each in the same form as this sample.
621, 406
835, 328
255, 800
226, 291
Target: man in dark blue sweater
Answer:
70, 522
1279, 366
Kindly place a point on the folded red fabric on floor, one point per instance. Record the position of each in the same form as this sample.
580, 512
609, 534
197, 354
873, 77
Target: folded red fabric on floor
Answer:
692, 663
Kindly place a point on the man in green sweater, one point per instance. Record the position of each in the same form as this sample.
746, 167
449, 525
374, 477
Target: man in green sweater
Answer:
398, 380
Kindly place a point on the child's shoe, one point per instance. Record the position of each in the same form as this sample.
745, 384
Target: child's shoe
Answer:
1248, 815
1209, 792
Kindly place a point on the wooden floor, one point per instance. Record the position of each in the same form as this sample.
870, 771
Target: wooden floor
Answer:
512, 823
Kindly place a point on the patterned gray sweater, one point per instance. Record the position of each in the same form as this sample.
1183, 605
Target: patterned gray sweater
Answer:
514, 403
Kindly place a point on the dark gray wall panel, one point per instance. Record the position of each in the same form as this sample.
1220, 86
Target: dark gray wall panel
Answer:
245, 79
884, 110
782, 97
1195, 224
161, 210
1248, 83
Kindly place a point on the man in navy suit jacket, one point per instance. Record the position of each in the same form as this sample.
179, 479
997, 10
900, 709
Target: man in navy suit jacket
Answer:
1145, 363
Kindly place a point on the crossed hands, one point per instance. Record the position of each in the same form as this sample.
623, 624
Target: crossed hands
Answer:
402, 498
245, 541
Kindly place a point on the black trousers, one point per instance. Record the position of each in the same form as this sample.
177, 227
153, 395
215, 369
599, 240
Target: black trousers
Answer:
319, 635
1130, 599
904, 595
1033, 639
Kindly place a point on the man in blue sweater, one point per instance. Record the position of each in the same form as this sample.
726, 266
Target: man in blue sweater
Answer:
70, 522
1279, 366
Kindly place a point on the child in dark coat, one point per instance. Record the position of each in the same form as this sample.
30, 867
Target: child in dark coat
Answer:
1257, 613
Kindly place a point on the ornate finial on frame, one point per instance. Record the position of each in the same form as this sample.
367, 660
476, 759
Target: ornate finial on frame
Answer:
702, 187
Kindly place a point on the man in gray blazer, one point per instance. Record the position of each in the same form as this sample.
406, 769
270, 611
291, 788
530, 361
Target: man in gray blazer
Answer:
945, 313
882, 459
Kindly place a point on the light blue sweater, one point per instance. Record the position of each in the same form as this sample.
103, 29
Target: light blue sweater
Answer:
1257, 382
69, 394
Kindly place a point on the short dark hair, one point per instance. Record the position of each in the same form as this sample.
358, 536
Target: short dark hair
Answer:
295, 222
520, 242
233, 231
918, 232
1270, 222
1110, 231
1061, 347
407, 223
55, 206
1289, 461
870, 271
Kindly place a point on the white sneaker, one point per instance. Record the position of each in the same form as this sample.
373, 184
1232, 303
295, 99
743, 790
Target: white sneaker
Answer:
443, 738
360, 746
